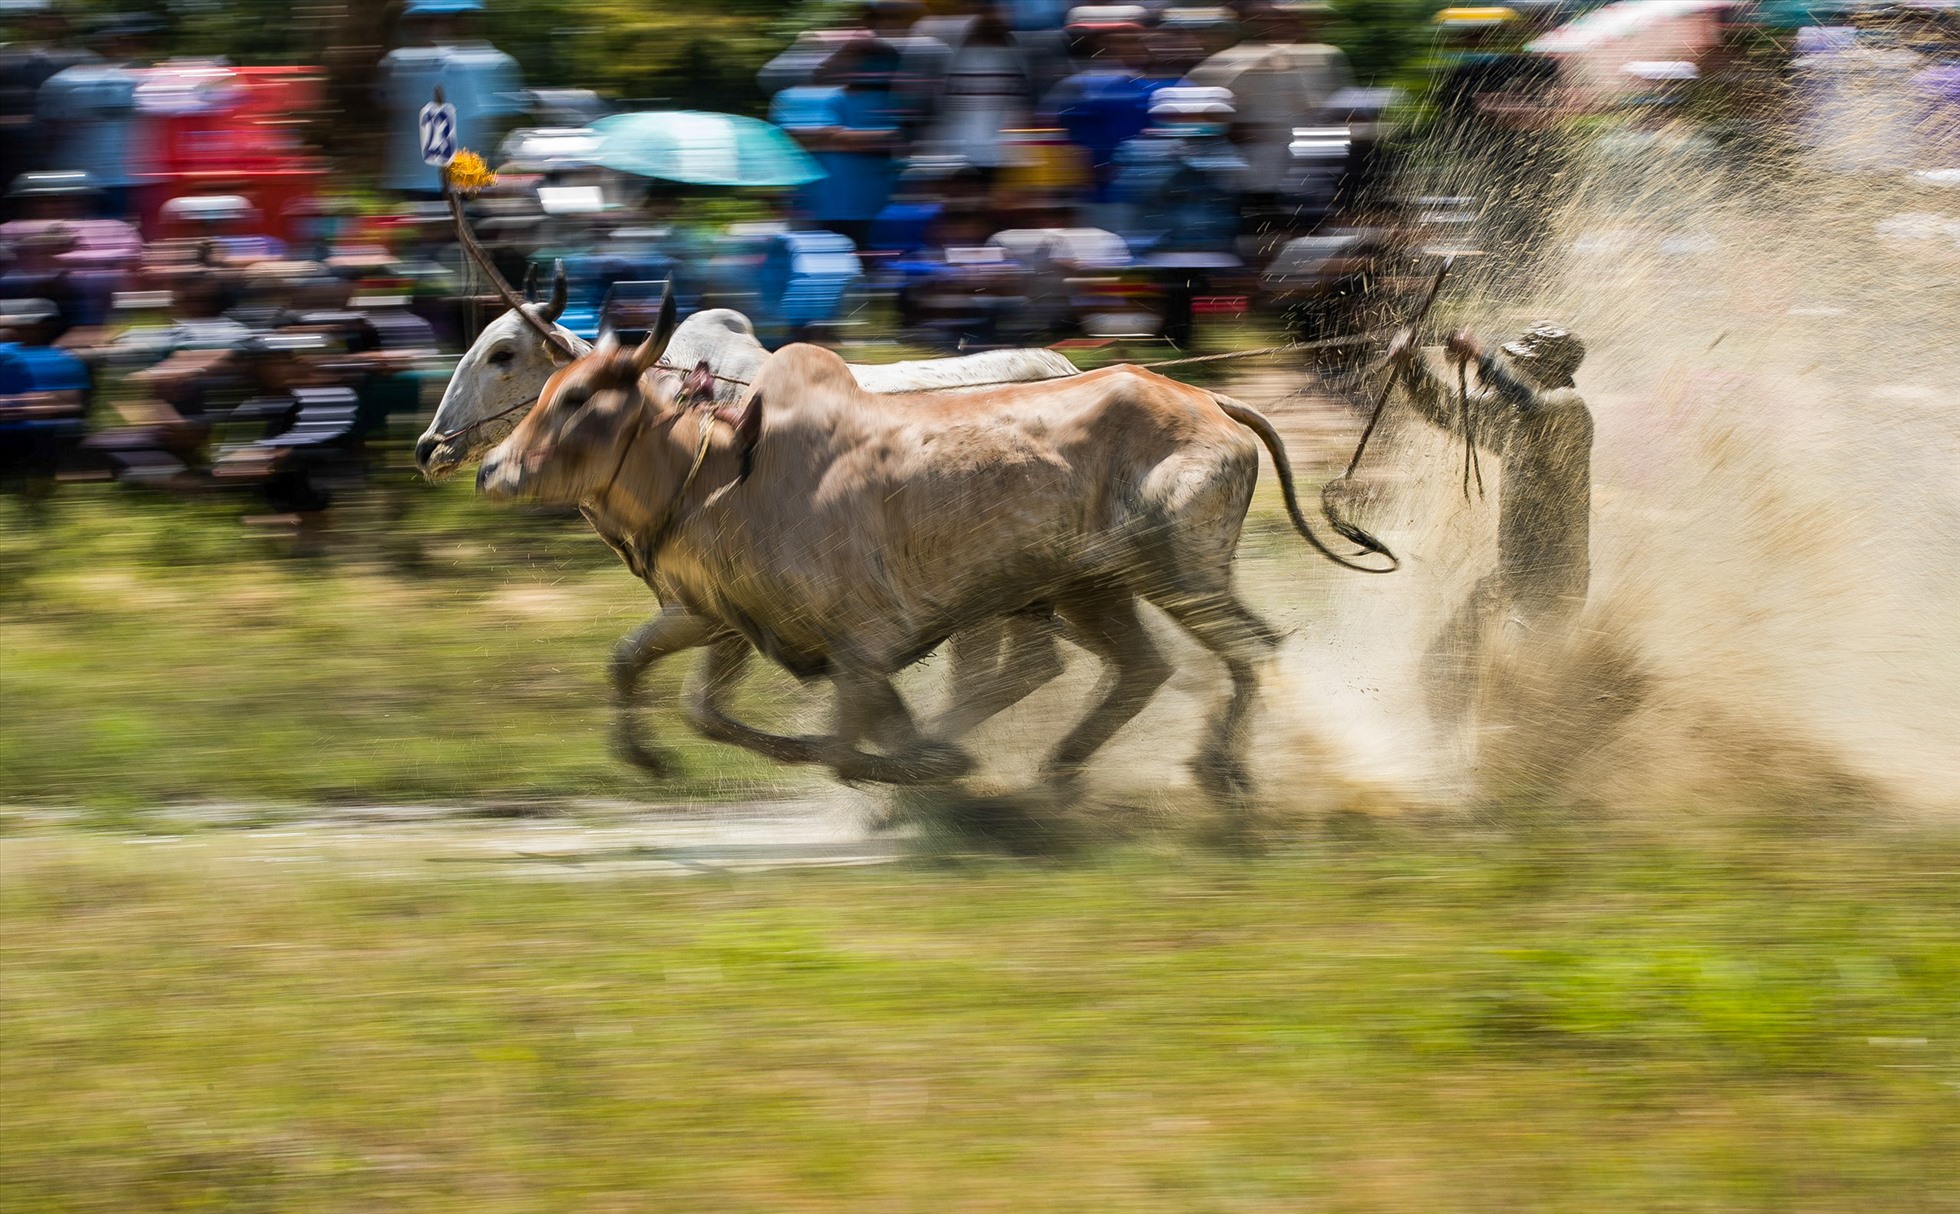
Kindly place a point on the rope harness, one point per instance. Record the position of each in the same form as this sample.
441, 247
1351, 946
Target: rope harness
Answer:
562, 342
647, 545
471, 427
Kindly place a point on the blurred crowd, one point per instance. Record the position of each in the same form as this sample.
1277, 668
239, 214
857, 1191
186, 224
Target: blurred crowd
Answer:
192, 295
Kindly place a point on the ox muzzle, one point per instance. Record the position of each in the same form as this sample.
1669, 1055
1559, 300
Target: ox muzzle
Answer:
434, 458
500, 479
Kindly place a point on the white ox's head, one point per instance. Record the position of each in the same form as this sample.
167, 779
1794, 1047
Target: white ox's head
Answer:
495, 380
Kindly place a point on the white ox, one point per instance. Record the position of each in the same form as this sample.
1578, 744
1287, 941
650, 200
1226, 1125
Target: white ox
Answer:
501, 374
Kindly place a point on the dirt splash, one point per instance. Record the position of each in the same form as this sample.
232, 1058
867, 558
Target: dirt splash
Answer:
1775, 609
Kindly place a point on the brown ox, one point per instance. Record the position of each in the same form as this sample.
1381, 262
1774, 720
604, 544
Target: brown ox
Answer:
849, 534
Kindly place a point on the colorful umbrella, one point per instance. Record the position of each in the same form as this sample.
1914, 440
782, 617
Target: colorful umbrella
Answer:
700, 148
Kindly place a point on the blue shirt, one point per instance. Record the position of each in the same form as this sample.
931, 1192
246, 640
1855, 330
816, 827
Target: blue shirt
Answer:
856, 185
90, 114
1036, 14
25, 369
482, 83
1177, 194
1101, 109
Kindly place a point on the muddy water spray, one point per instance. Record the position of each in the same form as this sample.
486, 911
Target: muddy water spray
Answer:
1775, 606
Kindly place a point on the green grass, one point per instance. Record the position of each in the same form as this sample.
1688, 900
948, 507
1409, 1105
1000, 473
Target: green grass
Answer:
155, 650
1403, 1016
1411, 1017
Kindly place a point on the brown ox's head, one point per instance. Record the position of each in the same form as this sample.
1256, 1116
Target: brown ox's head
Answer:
574, 440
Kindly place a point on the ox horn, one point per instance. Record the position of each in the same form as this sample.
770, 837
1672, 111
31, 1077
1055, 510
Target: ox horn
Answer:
560, 349
655, 345
560, 292
531, 283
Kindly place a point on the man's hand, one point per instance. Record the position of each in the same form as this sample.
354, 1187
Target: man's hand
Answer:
1463, 346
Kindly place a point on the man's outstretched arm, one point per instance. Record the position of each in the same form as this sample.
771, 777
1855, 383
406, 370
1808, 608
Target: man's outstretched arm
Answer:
1504, 384
1494, 401
1427, 391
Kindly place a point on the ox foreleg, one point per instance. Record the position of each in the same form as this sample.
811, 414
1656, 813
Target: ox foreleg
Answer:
673, 630
705, 702
1109, 627
869, 707
995, 666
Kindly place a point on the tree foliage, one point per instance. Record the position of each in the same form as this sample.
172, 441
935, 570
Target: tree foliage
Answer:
694, 54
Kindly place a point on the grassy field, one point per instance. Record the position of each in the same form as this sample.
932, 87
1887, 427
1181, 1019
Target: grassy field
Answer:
1374, 1017
440, 649
155, 650
1553, 1009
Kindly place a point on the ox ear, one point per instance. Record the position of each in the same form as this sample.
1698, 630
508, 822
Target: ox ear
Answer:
663, 332
700, 384
747, 424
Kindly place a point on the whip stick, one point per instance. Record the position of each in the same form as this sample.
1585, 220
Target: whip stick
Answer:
1328, 506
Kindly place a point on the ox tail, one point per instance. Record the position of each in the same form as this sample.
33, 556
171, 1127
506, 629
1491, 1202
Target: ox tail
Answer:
1255, 421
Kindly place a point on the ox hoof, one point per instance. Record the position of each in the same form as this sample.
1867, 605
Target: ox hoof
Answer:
941, 761
1060, 773
627, 746
1222, 776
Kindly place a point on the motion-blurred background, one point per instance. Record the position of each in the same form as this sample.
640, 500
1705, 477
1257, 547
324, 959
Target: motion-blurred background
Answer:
232, 295
323, 890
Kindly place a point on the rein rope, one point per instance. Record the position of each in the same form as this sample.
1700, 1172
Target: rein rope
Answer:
1324, 344
468, 427
1329, 506
647, 546
1470, 461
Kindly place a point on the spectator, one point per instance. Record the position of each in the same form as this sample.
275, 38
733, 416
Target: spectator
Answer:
922, 61
481, 81
1278, 78
1176, 194
1024, 16
37, 273
81, 262
68, 196
199, 299
1180, 178
228, 223
1186, 37
89, 113
38, 53
799, 63
103, 256
1485, 70
846, 122
43, 391
1494, 109
1107, 101
987, 88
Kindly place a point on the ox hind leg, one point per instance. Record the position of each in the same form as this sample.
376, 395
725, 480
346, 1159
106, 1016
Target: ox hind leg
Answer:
995, 666
1108, 626
1230, 629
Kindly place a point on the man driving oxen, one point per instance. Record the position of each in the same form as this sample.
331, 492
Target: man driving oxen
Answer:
1524, 407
